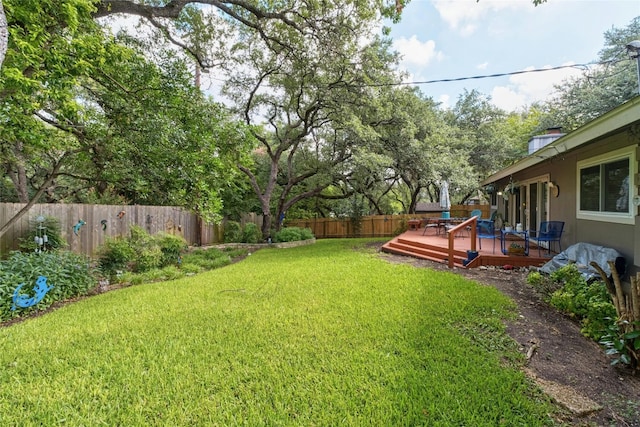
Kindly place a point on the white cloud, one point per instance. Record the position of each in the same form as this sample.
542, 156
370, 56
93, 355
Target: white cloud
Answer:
457, 14
416, 53
524, 89
507, 98
482, 66
444, 100
465, 16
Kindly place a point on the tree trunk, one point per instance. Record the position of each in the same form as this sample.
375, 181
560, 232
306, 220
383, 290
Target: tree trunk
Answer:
266, 224
4, 34
264, 196
19, 179
45, 185
199, 227
414, 200
16, 171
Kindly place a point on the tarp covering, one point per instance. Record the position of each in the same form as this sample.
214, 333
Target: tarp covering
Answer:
582, 254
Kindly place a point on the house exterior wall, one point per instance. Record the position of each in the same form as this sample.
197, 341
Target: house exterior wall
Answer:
562, 169
622, 237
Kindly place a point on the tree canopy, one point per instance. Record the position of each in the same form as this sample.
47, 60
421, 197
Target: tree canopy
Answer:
600, 89
316, 120
93, 118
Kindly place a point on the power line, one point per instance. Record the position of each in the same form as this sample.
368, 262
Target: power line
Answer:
583, 67
488, 76
512, 73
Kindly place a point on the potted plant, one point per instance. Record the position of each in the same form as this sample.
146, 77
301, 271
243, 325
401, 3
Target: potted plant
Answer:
516, 249
508, 226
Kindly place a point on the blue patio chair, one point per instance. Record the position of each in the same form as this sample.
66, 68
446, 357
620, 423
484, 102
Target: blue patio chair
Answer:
477, 213
550, 231
486, 230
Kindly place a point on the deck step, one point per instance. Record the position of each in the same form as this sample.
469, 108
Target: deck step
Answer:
437, 250
431, 252
434, 254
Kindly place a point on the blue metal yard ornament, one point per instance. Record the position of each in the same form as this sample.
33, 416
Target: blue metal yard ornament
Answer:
24, 301
41, 239
76, 228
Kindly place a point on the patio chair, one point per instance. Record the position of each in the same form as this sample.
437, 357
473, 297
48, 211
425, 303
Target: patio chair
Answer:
550, 231
477, 213
486, 230
431, 223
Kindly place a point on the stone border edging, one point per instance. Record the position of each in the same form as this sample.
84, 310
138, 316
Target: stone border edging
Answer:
256, 246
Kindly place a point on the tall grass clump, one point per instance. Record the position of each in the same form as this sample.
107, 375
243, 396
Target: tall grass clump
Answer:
209, 259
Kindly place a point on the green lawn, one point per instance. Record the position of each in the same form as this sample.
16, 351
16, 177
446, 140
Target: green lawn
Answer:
321, 335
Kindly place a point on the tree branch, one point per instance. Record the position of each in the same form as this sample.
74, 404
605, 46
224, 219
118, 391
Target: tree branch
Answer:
36, 197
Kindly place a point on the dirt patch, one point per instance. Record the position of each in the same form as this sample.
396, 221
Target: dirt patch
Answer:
571, 368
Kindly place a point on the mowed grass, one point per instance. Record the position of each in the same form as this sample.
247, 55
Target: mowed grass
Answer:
321, 335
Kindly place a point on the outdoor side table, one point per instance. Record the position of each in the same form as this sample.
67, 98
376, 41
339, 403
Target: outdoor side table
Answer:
414, 224
513, 236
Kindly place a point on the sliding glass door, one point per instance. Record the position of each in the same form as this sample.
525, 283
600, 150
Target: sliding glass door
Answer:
530, 204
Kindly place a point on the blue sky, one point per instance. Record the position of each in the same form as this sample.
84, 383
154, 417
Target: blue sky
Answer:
442, 39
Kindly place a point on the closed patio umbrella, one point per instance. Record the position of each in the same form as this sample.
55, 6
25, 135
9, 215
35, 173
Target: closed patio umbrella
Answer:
445, 201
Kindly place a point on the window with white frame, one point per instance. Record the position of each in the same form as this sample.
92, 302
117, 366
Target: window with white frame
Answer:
604, 187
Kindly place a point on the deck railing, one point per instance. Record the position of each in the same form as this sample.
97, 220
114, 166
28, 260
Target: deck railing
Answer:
451, 233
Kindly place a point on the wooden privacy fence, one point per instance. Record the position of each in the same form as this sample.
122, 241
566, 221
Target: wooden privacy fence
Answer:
375, 225
102, 221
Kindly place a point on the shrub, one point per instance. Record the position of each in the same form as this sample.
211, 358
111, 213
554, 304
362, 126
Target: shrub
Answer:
306, 234
140, 252
172, 248
293, 234
138, 235
115, 255
232, 232
251, 233
234, 252
126, 277
51, 228
288, 234
401, 228
156, 275
545, 285
535, 278
588, 302
68, 273
147, 258
171, 272
623, 346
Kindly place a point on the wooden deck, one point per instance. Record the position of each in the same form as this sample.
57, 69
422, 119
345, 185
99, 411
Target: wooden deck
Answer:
435, 247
